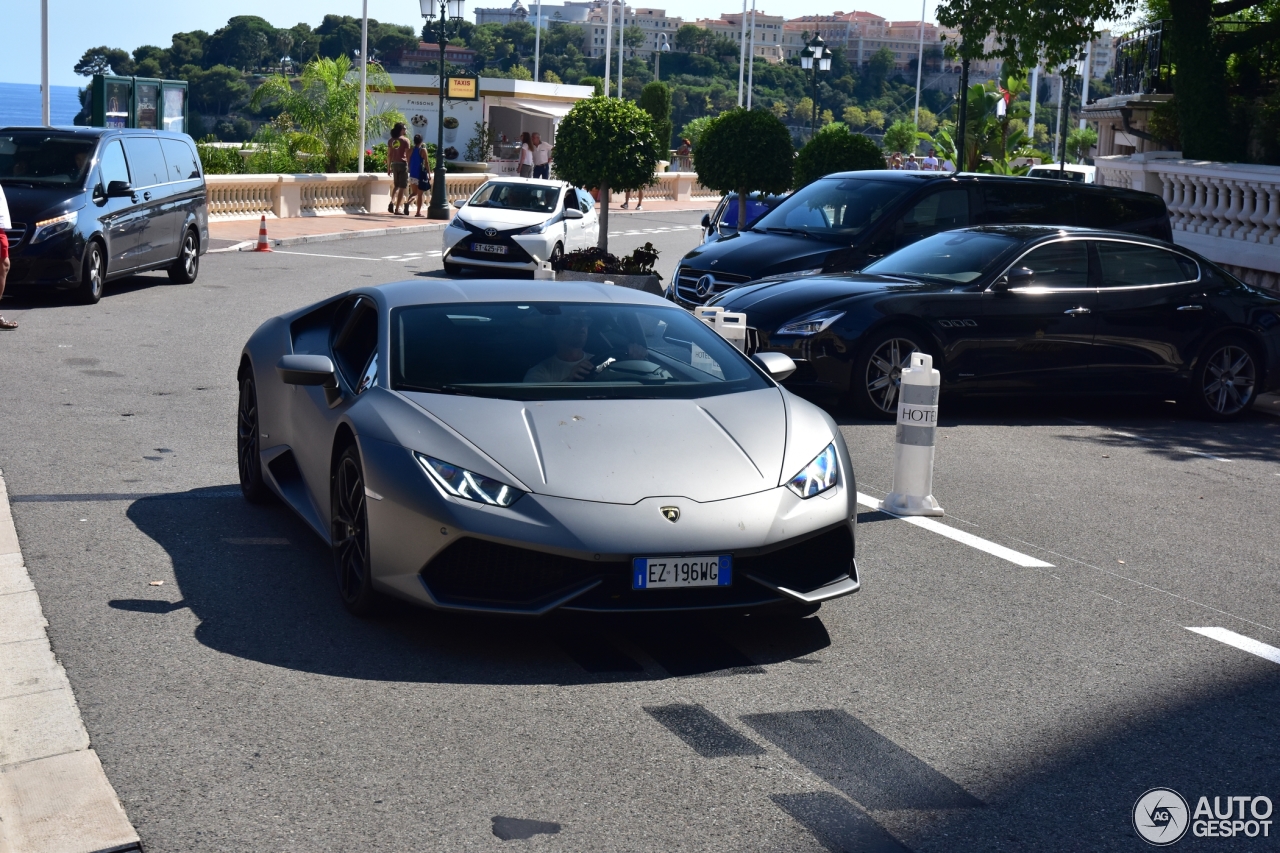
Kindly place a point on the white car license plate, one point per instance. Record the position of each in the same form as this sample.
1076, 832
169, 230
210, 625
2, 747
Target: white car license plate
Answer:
488, 248
676, 572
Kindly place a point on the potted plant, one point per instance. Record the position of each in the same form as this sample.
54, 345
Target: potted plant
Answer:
634, 270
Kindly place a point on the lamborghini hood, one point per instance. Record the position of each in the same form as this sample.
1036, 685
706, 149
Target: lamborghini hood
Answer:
623, 451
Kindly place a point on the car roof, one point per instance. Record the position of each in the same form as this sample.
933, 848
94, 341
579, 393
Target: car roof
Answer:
398, 294
95, 131
1036, 232
538, 182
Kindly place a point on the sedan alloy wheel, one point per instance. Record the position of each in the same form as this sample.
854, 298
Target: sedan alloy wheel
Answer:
1228, 380
883, 373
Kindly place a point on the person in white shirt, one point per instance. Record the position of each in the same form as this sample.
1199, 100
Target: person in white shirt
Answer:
526, 156
571, 363
931, 161
541, 158
5, 225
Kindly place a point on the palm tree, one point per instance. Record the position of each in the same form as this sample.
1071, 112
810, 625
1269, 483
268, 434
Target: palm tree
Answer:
326, 107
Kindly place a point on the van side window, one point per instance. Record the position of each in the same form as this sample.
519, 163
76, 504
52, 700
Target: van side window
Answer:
146, 162
112, 166
1133, 265
941, 211
180, 160
1027, 204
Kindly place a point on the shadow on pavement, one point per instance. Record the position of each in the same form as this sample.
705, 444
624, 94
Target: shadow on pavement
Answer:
260, 583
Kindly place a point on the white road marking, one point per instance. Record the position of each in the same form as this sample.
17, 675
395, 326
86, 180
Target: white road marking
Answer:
318, 255
932, 524
391, 257
1240, 641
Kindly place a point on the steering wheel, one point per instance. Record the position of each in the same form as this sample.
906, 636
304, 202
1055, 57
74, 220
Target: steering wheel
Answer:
618, 364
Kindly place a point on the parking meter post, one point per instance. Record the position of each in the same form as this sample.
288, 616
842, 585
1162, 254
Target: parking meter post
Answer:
914, 441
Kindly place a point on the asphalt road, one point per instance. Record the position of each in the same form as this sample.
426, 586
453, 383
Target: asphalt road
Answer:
960, 702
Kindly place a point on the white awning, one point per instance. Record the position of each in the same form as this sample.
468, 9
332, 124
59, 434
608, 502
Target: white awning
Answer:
549, 109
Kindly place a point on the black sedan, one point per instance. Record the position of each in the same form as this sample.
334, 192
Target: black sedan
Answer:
1025, 309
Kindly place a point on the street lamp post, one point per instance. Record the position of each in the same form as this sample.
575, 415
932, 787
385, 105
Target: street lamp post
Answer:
814, 58
663, 47
1068, 73
451, 12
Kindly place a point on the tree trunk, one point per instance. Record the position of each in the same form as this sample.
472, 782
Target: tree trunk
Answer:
602, 242
1200, 86
742, 209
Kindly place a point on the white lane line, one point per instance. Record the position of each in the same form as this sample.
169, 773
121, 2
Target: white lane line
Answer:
391, 257
931, 524
318, 255
1240, 641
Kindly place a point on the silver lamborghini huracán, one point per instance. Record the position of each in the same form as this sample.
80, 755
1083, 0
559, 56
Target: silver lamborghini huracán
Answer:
496, 446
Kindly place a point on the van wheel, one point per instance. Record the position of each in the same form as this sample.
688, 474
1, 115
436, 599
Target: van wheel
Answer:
93, 273
187, 266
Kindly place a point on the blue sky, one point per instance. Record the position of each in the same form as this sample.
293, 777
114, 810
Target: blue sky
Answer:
75, 25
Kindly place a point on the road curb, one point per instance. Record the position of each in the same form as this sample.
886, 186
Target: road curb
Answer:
54, 795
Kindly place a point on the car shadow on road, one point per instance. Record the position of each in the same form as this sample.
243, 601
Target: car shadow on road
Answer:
20, 298
261, 584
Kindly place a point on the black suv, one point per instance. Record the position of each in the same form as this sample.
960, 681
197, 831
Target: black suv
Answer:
89, 204
845, 221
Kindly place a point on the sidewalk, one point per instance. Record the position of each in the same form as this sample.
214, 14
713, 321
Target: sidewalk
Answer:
231, 235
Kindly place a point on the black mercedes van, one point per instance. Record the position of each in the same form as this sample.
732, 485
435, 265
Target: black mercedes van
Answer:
844, 221
91, 204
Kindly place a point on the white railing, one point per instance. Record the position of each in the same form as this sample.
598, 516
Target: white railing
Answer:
241, 196
1228, 212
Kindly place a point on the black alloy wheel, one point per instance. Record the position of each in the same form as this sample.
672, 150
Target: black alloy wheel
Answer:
877, 374
187, 266
350, 526
556, 254
252, 485
1224, 385
93, 274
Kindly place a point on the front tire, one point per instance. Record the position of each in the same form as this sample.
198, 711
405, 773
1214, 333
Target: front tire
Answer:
1224, 383
248, 430
452, 269
93, 275
350, 532
877, 371
187, 266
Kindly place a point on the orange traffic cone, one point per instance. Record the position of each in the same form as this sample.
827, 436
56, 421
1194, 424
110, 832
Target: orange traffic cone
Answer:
262, 237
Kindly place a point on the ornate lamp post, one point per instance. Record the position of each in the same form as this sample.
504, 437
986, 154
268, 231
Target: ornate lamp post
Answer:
1068, 71
814, 58
663, 47
451, 13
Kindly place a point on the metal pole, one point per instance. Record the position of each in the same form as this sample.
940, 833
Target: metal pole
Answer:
1084, 91
364, 80
1057, 127
1035, 88
813, 120
1062, 126
608, 46
622, 43
751, 54
44, 63
742, 52
920, 64
439, 207
964, 114
537, 42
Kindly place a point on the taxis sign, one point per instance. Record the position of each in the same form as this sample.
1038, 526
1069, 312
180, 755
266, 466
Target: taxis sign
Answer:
462, 88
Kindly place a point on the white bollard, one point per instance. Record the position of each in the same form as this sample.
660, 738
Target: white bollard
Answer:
730, 325
913, 449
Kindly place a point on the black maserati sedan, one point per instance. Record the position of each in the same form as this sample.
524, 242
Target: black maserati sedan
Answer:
1018, 309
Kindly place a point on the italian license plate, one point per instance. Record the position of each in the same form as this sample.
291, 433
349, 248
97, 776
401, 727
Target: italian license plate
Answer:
488, 248
679, 572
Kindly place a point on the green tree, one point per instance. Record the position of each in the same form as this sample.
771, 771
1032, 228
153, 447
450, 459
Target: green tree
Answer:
606, 143
691, 38
803, 110
326, 107
835, 149
855, 117
243, 43
928, 121
1079, 141
655, 99
216, 88
693, 130
104, 60
725, 163
901, 136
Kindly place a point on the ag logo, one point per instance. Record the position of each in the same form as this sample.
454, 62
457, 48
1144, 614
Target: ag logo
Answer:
705, 284
1160, 817
671, 513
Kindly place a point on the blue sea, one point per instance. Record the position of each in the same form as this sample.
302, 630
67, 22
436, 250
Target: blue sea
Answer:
20, 104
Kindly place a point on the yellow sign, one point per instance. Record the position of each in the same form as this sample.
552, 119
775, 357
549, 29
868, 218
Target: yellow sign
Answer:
462, 88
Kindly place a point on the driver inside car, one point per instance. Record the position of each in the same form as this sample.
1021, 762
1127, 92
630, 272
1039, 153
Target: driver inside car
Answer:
571, 363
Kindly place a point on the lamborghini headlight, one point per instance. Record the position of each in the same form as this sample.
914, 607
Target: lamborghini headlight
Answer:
818, 476
460, 483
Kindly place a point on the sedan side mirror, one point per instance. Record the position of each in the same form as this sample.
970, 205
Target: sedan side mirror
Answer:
118, 189
460, 202
298, 369
777, 364
706, 220
572, 213
1018, 277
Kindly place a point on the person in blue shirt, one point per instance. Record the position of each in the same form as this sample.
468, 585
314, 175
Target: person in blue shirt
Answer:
419, 173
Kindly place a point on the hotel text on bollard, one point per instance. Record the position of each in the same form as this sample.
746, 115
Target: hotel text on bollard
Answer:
913, 445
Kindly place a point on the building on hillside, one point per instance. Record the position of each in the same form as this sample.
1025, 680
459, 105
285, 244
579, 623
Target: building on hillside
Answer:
516, 12
657, 26
427, 57
863, 34
769, 42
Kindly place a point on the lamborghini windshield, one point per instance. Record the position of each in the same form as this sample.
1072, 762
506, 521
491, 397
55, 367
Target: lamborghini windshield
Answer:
563, 351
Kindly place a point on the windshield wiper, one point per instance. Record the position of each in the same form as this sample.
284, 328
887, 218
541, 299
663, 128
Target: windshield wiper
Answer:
424, 389
788, 231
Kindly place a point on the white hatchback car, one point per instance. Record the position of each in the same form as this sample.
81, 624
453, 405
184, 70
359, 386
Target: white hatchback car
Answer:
517, 224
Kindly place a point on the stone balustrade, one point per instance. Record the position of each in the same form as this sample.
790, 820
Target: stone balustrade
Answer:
1228, 212
286, 196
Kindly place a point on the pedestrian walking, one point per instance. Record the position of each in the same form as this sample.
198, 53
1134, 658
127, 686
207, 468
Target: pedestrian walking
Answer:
5, 225
626, 202
398, 169
541, 158
526, 155
419, 172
